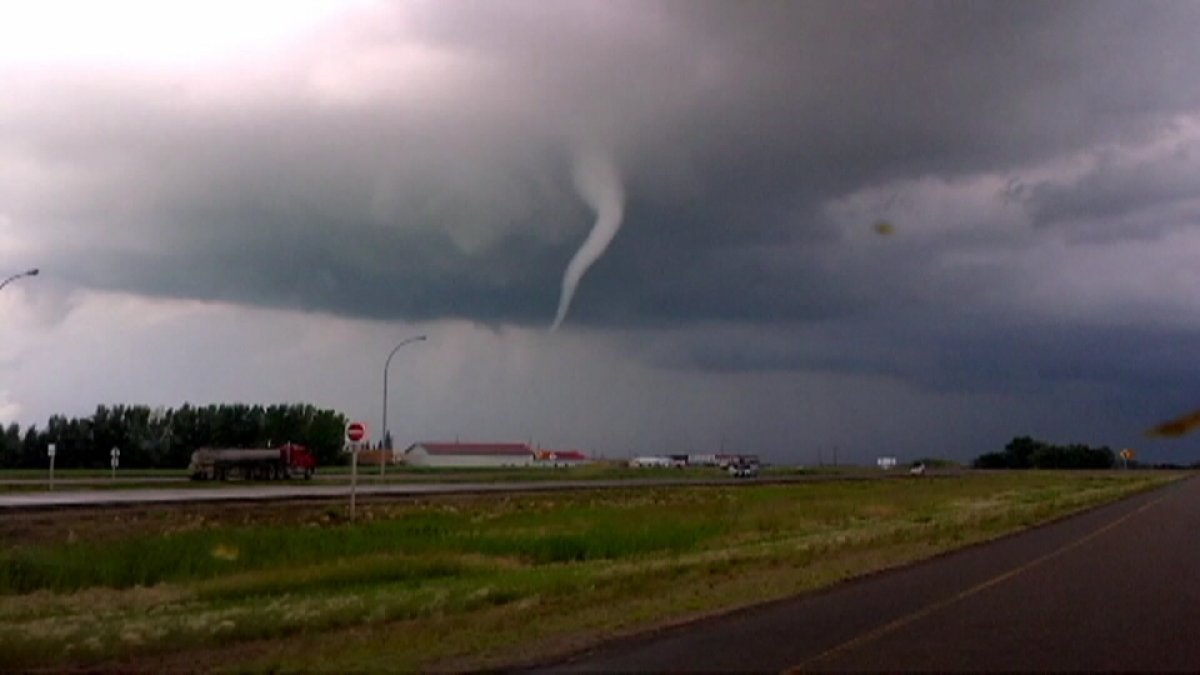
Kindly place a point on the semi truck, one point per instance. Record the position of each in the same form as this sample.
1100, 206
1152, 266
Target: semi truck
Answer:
285, 461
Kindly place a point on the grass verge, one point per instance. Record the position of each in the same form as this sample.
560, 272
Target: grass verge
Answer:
468, 582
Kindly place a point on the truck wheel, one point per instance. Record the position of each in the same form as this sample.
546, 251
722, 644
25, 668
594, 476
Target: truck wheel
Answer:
308, 474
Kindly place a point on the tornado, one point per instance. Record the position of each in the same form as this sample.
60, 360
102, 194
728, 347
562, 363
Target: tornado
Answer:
598, 184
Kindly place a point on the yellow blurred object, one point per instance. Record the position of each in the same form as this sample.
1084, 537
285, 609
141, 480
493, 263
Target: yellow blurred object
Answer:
884, 227
1177, 427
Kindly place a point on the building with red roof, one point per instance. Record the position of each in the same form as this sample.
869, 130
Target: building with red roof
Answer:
545, 457
468, 455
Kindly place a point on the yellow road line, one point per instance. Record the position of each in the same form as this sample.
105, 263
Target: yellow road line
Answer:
978, 588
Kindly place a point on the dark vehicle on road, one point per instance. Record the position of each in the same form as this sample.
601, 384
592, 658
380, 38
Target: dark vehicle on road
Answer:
743, 468
283, 462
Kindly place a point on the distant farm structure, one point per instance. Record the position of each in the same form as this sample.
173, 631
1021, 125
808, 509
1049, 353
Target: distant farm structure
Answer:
486, 455
720, 460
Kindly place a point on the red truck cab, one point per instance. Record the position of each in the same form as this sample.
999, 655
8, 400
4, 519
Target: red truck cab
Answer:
298, 459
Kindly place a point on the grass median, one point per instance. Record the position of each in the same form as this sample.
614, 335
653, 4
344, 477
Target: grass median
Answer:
468, 582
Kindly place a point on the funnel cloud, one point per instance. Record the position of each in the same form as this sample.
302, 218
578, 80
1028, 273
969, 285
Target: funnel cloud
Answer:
598, 184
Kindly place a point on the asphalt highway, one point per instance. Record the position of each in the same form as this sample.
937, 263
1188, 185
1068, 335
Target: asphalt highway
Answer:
1113, 589
283, 492
366, 487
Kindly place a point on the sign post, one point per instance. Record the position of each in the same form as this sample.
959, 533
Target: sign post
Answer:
1126, 455
115, 454
356, 434
51, 450
353, 478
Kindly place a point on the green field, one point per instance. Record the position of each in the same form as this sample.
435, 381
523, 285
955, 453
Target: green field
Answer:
468, 582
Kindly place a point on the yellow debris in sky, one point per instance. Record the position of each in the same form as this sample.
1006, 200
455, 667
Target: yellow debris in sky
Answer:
1177, 427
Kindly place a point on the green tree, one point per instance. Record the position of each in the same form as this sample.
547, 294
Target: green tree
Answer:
10, 447
991, 460
1024, 452
326, 436
1021, 450
167, 437
33, 449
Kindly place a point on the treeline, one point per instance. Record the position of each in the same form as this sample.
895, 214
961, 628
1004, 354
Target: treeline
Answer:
166, 437
1024, 452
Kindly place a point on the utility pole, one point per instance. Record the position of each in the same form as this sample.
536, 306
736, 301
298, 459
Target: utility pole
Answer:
27, 273
384, 436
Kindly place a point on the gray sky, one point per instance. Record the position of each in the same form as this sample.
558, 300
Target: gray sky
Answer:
255, 201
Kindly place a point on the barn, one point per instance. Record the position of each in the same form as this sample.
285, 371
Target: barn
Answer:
468, 455
560, 458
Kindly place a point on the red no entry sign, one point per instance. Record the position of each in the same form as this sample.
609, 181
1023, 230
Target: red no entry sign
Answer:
356, 431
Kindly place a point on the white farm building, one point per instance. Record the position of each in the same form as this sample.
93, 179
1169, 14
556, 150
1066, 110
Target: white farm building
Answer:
468, 455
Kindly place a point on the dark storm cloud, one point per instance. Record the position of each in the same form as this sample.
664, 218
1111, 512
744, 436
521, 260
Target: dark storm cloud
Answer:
733, 125
1122, 197
300, 274
952, 354
415, 164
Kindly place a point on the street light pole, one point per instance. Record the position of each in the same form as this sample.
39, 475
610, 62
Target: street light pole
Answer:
383, 438
27, 273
